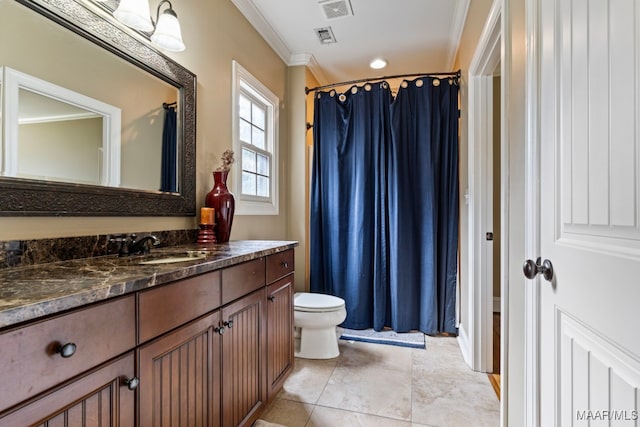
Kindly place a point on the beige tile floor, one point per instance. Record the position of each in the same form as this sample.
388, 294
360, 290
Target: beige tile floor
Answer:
380, 385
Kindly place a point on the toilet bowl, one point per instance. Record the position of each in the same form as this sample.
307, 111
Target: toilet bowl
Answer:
315, 318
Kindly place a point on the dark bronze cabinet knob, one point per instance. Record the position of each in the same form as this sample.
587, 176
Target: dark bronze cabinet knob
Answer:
271, 298
219, 330
67, 350
132, 383
285, 264
228, 323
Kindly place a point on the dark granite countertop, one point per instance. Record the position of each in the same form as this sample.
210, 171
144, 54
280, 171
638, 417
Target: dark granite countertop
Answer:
27, 293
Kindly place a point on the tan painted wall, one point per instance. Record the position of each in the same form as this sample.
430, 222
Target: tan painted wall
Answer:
41, 142
296, 173
215, 33
310, 83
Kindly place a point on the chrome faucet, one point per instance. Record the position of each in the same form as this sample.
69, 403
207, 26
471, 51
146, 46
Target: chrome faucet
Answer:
130, 245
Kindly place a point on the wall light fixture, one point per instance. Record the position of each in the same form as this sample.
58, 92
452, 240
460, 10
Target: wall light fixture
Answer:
165, 31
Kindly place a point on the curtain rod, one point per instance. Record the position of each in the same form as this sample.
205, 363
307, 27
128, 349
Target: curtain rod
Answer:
452, 73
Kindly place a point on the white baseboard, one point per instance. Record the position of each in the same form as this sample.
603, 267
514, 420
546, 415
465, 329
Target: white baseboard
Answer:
463, 343
496, 304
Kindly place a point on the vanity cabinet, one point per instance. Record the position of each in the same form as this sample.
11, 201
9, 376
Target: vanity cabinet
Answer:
280, 345
213, 371
179, 355
206, 350
100, 398
49, 355
46, 353
244, 391
180, 376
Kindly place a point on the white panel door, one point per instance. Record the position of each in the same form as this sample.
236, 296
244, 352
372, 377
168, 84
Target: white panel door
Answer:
588, 107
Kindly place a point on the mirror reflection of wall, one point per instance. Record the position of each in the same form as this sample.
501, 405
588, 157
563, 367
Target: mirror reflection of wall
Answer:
52, 133
32, 44
41, 139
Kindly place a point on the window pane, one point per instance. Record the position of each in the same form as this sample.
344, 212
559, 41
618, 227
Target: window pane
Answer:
245, 131
248, 160
248, 183
258, 115
257, 138
263, 186
263, 165
245, 108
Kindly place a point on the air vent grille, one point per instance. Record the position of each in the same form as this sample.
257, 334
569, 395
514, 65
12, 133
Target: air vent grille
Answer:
336, 9
325, 35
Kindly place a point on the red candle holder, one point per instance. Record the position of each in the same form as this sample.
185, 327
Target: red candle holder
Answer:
206, 234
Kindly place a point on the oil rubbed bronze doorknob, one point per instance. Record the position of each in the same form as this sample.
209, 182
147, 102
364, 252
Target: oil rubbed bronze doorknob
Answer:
532, 268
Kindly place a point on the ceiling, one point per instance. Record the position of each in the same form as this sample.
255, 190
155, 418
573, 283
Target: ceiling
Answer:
414, 36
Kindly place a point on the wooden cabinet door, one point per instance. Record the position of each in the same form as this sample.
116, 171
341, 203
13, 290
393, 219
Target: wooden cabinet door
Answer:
100, 398
279, 333
243, 360
180, 376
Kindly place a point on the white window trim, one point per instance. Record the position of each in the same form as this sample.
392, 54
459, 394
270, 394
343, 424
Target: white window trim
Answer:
255, 207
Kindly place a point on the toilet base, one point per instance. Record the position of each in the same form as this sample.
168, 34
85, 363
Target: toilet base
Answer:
316, 343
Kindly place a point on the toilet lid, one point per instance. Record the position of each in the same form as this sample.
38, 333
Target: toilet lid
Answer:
309, 301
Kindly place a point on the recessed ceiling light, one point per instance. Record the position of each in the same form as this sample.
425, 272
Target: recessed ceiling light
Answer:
378, 63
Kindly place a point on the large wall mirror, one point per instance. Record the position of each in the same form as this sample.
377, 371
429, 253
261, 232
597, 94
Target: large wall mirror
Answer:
84, 104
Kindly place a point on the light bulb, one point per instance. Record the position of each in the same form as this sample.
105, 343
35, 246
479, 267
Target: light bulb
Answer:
134, 14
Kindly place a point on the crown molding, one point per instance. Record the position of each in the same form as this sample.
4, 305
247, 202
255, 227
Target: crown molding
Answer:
257, 20
316, 70
460, 17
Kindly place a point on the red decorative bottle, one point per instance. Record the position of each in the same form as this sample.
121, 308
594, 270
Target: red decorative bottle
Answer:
221, 199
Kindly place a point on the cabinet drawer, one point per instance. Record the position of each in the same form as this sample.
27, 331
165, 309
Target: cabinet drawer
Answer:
242, 279
167, 307
99, 398
29, 358
279, 265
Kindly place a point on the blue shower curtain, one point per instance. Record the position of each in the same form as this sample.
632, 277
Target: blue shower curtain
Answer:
348, 201
384, 204
168, 178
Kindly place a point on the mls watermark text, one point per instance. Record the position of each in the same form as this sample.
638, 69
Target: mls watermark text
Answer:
606, 415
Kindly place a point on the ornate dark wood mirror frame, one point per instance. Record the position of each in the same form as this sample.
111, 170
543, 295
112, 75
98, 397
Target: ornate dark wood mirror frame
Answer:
24, 197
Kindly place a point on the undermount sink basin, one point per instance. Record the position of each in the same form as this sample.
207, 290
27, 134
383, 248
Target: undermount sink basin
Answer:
175, 257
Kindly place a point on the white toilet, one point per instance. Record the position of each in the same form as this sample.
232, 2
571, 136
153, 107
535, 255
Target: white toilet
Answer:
315, 318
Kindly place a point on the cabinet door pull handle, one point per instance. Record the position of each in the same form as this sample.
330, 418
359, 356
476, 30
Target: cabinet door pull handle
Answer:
132, 383
67, 350
271, 298
219, 330
228, 323
285, 264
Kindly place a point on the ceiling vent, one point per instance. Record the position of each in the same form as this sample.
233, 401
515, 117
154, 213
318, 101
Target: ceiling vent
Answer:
325, 35
336, 9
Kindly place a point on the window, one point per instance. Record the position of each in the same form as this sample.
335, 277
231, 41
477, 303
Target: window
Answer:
255, 142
